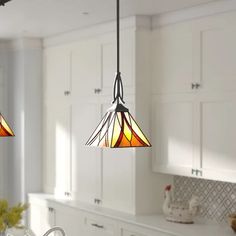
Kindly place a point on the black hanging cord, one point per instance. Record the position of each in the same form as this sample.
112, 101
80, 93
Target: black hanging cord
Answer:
118, 34
118, 86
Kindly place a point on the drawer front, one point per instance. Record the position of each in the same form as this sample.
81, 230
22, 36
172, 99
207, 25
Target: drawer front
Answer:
139, 231
130, 233
97, 226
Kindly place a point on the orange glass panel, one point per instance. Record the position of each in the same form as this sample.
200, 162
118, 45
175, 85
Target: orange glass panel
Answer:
5, 129
118, 130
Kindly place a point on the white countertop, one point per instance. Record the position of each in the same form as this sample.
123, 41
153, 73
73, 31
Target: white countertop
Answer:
153, 222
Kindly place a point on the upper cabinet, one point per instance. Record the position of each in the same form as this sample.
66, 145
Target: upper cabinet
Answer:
82, 90
86, 69
194, 80
57, 83
218, 59
172, 59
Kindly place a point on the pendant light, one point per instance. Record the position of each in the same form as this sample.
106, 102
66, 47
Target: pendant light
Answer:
118, 128
5, 130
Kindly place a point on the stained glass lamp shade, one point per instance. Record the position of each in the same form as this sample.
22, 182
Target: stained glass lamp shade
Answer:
118, 129
5, 130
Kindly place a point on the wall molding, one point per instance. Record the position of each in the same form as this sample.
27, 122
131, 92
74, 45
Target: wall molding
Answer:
199, 11
133, 22
24, 44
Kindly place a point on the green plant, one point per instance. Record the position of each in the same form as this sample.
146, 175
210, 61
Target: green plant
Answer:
10, 216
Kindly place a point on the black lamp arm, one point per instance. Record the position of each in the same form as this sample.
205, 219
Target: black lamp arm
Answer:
118, 89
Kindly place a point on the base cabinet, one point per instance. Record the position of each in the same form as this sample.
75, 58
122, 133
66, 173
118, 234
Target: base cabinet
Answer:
100, 226
41, 217
85, 220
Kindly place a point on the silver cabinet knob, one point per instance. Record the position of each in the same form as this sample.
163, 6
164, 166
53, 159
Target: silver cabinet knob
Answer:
67, 93
97, 90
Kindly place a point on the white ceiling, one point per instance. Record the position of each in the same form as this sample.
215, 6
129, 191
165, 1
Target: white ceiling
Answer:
42, 18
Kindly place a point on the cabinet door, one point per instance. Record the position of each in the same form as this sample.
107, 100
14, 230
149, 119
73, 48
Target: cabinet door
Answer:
217, 137
100, 226
173, 59
41, 219
56, 73
72, 221
218, 59
173, 134
109, 60
86, 161
57, 149
86, 68
118, 184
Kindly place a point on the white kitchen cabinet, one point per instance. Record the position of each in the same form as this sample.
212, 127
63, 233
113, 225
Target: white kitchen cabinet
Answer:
218, 60
71, 220
57, 81
172, 59
86, 69
193, 130
173, 134
57, 149
127, 60
216, 137
41, 216
86, 161
118, 178
100, 226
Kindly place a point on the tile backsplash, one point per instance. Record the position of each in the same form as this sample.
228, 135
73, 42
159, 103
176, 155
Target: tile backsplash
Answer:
217, 199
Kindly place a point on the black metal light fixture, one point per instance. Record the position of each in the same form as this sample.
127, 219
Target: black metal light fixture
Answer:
2, 2
118, 128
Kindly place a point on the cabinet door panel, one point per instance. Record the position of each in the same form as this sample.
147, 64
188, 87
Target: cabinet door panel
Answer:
218, 134
70, 220
86, 68
56, 73
41, 219
173, 124
86, 161
100, 226
218, 59
118, 176
126, 61
57, 151
173, 58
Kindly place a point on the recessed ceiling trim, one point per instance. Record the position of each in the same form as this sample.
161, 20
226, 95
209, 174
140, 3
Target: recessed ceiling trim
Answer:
193, 13
133, 22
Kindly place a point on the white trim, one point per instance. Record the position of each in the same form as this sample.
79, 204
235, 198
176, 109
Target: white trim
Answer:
133, 22
203, 10
24, 44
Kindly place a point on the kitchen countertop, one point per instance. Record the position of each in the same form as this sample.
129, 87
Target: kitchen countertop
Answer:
156, 222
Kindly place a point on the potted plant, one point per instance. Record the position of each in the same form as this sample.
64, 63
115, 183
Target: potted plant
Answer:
10, 216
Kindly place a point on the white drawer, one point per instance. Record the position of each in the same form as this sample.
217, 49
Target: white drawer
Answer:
130, 233
96, 225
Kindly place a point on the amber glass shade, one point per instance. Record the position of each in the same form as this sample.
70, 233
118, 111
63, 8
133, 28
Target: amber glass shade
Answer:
5, 129
118, 129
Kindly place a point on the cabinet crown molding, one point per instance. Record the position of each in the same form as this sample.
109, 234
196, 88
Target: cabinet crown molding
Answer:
24, 43
198, 11
133, 22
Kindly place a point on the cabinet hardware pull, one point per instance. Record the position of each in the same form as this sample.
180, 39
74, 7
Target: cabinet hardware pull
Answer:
98, 226
97, 91
193, 85
194, 171
50, 209
97, 201
197, 86
67, 93
199, 172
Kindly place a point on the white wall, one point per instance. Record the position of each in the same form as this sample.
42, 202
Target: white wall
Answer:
23, 73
